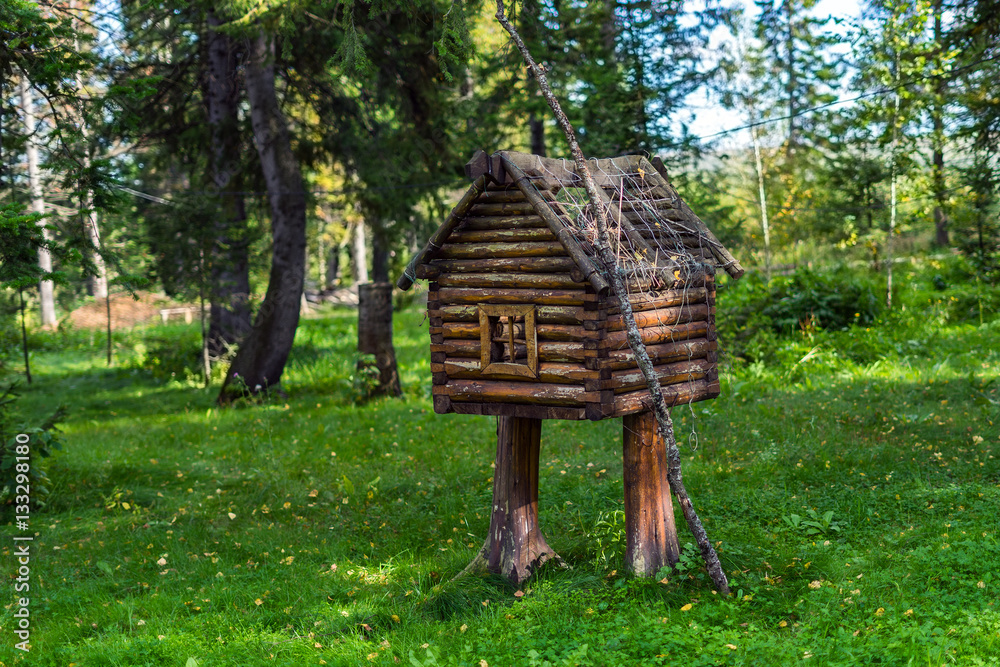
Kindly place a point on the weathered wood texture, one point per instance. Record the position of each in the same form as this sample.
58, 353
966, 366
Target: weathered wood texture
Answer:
375, 335
507, 245
650, 531
515, 546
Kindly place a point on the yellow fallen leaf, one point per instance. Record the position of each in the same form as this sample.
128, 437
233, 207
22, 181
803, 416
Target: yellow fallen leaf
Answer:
231, 516
687, 607
731, 647
258, 602
463, 628
395, 619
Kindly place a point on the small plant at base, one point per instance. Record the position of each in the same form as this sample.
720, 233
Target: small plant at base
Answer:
366, 377
609, 536
814, 524
689, 559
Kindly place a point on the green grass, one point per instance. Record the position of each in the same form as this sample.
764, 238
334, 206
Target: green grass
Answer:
310, 530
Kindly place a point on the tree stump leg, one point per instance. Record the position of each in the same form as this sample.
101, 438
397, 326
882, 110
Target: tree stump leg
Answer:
515, 546
651, 534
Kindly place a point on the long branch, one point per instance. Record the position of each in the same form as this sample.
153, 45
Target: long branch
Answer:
607, 257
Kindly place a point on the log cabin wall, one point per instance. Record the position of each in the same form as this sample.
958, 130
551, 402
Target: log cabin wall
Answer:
503, 253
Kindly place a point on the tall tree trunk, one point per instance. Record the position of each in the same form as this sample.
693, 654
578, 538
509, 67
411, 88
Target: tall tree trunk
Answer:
892, 189
765, 227
360, 254
261, 359
229, 268
380, 256
46, 293
97, 284
537, 126
937, 117
333, 265
792, 83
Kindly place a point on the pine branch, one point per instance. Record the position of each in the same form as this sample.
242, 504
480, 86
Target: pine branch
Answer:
607, 257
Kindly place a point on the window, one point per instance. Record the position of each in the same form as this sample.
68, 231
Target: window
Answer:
508, 340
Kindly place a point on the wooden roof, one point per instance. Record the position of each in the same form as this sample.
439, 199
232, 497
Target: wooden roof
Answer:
540, 179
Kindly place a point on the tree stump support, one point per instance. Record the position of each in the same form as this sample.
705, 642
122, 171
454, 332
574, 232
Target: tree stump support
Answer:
651, 534
515, 546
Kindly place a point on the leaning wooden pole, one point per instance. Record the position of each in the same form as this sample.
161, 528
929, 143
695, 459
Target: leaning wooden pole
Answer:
607, 257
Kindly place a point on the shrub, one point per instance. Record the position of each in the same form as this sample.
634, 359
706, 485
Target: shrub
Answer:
35, 442
753, 313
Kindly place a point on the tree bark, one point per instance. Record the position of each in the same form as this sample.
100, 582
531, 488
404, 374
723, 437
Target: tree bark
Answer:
261, 359
515, 547
937, 117
375, 335
380, 257
360, 254
229, 279
537, 126
765, 227
46, 292
650, 531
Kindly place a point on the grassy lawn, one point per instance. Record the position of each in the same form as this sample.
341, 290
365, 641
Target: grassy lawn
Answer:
852, 485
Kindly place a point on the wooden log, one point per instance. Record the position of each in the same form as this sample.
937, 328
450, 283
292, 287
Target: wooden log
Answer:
650, 531
503, 391
514, 410
442, 404
665, 299
547, 351
654, 335
471, 331
662, 316
507, 195
512, 264
677, 394
502, 235
543, 314
525, 281
437, 238
480, 250
542, 297
515, 546
501, 208
681, 371
661, 354
503, 222
557, 373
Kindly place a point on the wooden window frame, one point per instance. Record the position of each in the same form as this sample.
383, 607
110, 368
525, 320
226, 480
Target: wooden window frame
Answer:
488, 312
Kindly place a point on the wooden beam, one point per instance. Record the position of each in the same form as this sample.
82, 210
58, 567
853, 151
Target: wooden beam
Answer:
438, 238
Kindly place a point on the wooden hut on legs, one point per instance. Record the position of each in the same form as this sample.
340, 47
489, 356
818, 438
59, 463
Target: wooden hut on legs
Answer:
523, 327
